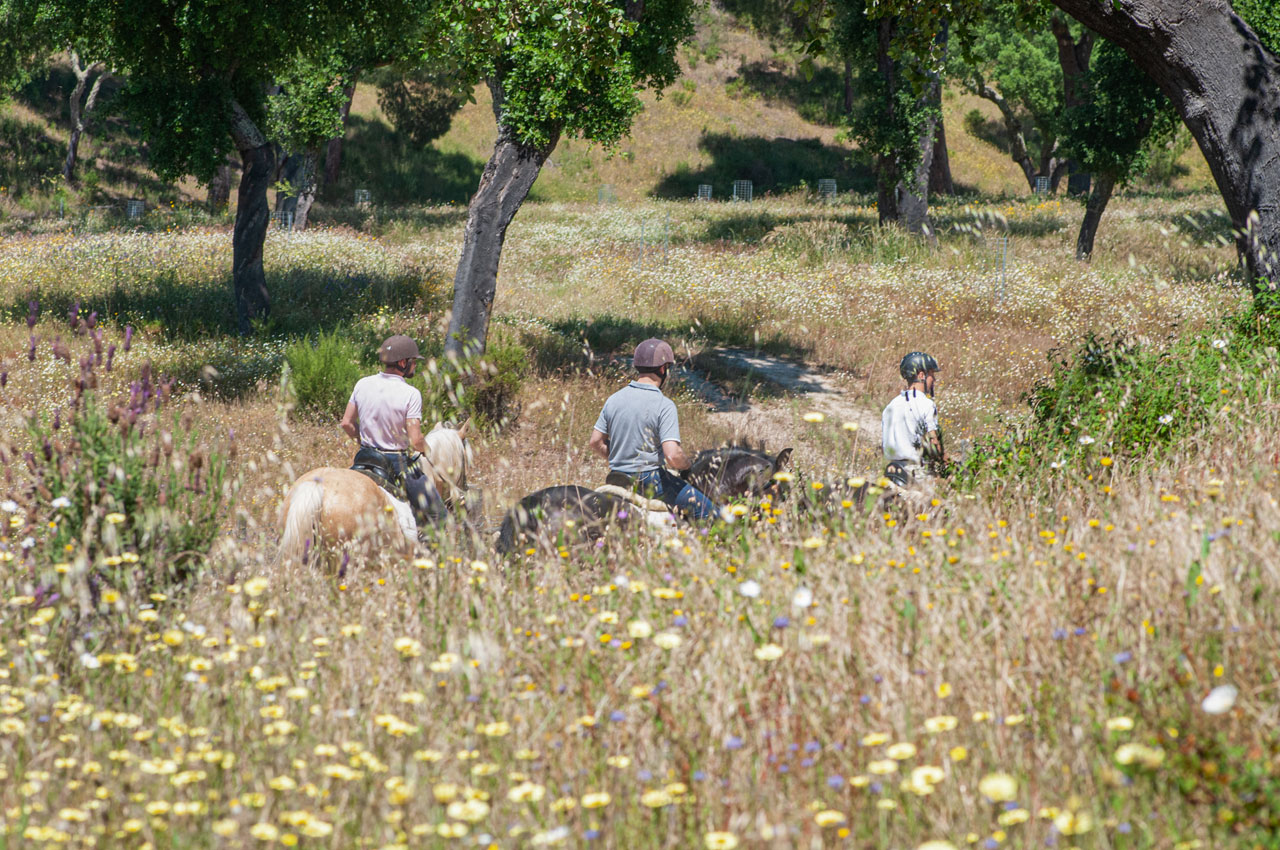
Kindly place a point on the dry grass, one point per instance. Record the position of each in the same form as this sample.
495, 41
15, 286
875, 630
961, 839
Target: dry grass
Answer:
742, 686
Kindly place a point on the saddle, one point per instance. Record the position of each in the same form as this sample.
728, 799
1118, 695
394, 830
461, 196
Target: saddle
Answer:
397, 473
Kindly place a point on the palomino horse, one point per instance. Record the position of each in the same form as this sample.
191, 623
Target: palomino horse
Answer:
330, 507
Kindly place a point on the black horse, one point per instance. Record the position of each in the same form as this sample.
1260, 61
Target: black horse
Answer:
732, 471
542, 514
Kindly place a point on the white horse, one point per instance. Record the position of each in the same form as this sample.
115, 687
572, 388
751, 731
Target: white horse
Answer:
330, 507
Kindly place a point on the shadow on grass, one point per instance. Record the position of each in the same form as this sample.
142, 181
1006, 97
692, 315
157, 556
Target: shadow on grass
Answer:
770, 164
397, 171
819, 100
614, 337
304, 301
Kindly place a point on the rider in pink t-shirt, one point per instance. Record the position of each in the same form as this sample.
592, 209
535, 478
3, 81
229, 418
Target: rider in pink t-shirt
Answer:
384, 416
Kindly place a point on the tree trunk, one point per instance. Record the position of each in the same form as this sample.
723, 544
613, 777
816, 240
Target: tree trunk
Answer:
220, 188
1103, 185
1012, 125
888, 172
940, 182
1226, 87
505, 183
913, 197
81, 113
848, 87
306, 189
1073, 58
253, 216
333, 151
289, 171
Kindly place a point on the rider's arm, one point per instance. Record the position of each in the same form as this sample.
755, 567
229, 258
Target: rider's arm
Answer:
599, 443
674, 455
348, 423
416, 441
933, 446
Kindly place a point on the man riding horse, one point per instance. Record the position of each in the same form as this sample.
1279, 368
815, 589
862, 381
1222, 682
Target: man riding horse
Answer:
384, 416
639, 428
910, 438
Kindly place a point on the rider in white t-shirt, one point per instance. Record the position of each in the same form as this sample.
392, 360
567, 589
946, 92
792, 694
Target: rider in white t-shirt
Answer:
910, 436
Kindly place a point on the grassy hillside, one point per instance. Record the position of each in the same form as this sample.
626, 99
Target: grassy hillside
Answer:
742, 110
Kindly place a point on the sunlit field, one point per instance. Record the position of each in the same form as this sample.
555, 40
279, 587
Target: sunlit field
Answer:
1078, 654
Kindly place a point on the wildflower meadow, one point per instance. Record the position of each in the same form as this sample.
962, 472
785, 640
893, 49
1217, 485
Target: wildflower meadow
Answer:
1072, 643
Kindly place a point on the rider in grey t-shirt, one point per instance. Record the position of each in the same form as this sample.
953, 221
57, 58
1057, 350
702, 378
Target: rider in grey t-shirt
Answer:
639, 428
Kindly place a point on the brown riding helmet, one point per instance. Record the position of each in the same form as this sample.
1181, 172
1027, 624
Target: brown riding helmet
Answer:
653, 354
397, 348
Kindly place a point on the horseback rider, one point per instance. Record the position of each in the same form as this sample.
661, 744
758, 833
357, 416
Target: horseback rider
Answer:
639, 428
384, 416
910, 438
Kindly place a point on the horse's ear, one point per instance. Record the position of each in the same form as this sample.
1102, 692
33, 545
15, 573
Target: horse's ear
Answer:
783, 460
463, 428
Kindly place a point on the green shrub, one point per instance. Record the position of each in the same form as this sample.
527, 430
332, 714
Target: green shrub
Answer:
1112, 396
122, 496
484, 389
323, 372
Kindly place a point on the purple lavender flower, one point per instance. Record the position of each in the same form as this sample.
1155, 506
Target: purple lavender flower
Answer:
733, 742
835, 782
782, 622
33, 314
617, 715
128, 337
1122, 657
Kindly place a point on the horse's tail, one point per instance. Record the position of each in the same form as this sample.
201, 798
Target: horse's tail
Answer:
302, 515
507, 535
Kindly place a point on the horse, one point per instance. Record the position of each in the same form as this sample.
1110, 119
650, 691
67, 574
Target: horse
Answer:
448, 458
584, 513
331, 507
734, 471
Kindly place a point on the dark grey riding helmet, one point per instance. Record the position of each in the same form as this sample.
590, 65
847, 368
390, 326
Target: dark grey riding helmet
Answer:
915, 363
653, 354
397, 348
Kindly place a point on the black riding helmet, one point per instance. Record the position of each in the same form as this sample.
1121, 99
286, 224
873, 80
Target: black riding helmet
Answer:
915, 363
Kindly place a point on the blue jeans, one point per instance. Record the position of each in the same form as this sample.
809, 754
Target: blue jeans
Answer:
677, 493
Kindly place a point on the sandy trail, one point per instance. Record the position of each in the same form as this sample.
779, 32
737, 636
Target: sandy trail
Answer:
777, 421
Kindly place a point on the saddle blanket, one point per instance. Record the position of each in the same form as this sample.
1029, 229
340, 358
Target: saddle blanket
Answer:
404, 518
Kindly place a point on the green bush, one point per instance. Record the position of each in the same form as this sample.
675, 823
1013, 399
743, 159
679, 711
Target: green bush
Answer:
484, 389
132, 501
323, 372
1112, 396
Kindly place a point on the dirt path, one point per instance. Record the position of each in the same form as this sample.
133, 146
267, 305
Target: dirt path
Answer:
776, 421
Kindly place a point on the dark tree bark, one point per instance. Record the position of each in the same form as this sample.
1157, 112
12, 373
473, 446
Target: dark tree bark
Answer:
333, 151
1226, 87
1103, 185
253, 216
887, 171
307, 189
220, 188
940, 182
848, 87
1073, 57
505, 183
81, 113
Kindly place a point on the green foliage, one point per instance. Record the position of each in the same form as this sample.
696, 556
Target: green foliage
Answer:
1122, 116
484, 389
323, 372
307, 110
572, 68
420, 102
1116, 397
188, 64
1263, 17
129, 498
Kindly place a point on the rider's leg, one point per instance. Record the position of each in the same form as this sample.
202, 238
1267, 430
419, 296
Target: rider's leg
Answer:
686, 498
